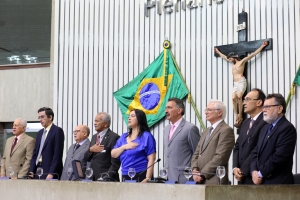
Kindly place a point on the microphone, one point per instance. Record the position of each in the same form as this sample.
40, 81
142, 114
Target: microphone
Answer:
158, 160
105, 177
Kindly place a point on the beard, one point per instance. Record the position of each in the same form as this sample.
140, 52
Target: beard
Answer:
270, 118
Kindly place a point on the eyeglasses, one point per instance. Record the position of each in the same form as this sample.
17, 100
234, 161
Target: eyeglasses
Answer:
269, 106
248, 99
210, 109
76, 131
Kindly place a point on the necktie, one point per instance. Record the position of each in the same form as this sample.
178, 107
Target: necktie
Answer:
268, 132
41, 147
98, 139
172, 131
250, 125
13, 145
76, 147
207, 137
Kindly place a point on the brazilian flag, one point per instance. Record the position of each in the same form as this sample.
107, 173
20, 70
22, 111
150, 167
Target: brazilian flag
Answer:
297, 77
152, 88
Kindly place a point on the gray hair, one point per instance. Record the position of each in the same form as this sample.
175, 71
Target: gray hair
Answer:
105, 117
23, 122
219, 105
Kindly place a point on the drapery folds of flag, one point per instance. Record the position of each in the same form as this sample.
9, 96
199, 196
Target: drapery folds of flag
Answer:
151, 89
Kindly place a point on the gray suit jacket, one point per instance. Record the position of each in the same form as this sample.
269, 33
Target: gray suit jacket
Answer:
180, 149
215, 153
20, 158
78, 155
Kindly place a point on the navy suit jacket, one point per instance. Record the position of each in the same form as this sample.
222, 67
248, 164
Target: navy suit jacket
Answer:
103, 162
244, 146
52, 152
274, 157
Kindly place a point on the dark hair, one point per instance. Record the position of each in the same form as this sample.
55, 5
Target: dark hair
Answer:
179, 104
261, 95
49, 112
142, 122
279, 99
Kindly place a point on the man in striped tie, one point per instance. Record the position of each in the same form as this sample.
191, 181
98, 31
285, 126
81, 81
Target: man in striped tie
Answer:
248, 136
77, 151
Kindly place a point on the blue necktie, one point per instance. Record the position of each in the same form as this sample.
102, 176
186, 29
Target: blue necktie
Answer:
41, 147
268, 132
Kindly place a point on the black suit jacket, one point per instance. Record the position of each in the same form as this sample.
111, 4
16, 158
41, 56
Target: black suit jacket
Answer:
244, 146
52, 152
103, 162
274, 158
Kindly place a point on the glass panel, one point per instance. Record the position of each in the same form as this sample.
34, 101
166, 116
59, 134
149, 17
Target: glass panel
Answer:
25, 27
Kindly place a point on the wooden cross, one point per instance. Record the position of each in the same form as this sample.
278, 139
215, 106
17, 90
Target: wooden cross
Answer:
243, 46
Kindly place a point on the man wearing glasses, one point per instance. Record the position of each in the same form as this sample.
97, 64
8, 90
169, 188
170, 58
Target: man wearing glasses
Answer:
248, 136
272, 159
77, 151
49, 146
214, 147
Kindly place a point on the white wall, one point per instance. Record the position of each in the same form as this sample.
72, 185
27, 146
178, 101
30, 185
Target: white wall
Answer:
101, 45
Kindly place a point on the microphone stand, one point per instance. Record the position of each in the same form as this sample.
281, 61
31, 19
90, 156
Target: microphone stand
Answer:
158, 160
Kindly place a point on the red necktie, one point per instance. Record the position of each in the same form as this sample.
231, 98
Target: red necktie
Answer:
14, 144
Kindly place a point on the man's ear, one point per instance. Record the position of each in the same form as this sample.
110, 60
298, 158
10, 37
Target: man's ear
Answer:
259, 103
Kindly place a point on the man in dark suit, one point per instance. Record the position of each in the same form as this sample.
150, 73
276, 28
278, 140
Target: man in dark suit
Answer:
248, 136
18, 151
99, 153
77, 151
180, 141
49, 146
272, 159
214, 147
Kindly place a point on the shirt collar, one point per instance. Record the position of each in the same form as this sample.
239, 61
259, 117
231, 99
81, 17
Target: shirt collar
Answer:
82, 142
216, 124
256, 116
102, 133
176, 124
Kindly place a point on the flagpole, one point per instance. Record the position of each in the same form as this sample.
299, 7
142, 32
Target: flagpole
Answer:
190, 98
292, 90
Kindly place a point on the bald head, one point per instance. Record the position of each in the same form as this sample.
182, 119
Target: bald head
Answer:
81, 132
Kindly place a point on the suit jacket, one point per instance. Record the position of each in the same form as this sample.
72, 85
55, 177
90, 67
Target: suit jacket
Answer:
103, 162
215, 153
52, 152
20, 158
274, 156
244, 146
179, 150
77, 155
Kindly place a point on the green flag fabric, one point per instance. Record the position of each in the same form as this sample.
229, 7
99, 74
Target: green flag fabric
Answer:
151, 89
297, 77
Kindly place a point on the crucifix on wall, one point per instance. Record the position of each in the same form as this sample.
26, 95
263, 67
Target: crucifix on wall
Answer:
237, 54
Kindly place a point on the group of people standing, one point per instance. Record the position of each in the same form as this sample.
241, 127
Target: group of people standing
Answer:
262, 154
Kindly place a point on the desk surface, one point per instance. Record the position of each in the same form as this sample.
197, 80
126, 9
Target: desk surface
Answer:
35, 189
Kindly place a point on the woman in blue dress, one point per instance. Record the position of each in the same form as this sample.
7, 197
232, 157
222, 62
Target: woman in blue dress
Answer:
136, 148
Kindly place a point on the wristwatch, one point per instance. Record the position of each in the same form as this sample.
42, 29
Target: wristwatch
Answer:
148, 179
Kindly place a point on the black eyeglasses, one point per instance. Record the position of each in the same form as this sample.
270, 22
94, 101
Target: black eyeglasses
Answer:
269, 106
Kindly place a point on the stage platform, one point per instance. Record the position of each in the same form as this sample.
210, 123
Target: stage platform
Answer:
35, 189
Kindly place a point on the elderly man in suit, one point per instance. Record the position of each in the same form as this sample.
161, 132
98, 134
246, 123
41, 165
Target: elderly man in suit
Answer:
77, 151
214, 147
18, 151
99, 152
180, 141
272, 159
49, 146
249, 133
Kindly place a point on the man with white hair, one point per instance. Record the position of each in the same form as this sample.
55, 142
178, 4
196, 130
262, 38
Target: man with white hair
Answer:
214, 147
18, 151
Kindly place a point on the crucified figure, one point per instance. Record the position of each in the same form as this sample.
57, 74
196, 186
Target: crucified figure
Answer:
240, 84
